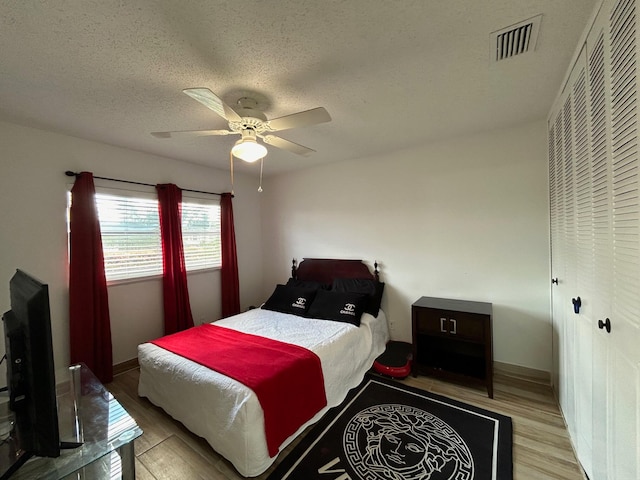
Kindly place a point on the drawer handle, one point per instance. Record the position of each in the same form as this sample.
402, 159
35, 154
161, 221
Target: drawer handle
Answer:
455, 326
442, 329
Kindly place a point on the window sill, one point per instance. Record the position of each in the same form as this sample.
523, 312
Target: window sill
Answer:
150, 278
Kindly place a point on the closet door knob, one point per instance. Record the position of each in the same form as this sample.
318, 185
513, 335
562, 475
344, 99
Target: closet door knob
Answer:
605, 325
576, 304
554, 280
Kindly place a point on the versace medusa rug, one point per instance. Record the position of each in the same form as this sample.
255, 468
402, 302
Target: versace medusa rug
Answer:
385, 430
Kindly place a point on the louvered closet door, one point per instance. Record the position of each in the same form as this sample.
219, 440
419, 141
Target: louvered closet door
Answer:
561, 202
555, 187
612, 47
568, 285
556, 210
582, 264
572, 247
594, 176
623, 413
601, 265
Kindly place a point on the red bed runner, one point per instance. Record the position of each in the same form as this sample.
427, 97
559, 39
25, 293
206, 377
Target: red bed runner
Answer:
286, 378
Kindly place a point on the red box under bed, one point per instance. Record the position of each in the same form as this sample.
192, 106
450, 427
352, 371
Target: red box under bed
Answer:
395, 361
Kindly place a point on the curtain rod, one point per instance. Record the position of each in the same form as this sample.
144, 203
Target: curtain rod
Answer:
69, 173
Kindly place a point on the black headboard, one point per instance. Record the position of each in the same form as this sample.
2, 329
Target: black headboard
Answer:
325, 270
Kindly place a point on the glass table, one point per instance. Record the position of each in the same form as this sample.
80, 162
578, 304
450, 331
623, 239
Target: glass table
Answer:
87, 414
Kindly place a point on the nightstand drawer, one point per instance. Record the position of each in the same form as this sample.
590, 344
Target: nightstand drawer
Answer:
469, 326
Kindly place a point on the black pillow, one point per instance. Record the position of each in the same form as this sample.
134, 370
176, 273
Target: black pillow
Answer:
339, 306
294, 300
366, 286
310, 284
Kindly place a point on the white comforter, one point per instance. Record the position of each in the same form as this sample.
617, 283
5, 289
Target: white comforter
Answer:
228, 414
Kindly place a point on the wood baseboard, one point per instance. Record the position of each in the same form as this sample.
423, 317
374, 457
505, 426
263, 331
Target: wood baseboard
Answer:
523, 373
125, 366
499, 368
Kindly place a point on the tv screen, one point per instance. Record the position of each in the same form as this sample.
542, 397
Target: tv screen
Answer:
30, 369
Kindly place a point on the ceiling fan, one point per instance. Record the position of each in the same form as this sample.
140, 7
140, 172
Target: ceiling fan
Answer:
249, 122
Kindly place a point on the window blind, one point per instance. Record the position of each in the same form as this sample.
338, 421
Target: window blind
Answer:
130, 229
131, 243
201, 235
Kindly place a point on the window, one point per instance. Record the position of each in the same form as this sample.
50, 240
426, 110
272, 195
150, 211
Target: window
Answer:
130, 230
131, 243
201, 235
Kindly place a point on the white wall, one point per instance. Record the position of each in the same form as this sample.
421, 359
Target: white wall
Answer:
33, 236
465, 218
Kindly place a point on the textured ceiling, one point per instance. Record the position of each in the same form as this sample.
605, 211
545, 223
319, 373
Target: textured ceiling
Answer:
392, 74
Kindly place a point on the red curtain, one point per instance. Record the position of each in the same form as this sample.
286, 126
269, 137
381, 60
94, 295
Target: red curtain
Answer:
177, 310
89, 322
230, 288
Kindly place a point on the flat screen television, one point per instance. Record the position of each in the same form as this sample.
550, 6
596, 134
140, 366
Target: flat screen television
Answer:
30, 370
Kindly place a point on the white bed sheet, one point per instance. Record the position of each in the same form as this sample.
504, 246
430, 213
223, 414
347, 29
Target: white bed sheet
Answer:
228, 414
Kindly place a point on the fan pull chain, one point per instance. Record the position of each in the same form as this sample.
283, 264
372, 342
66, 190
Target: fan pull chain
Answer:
261, 165
231, 164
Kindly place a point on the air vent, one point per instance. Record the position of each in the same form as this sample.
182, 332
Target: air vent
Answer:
516, 39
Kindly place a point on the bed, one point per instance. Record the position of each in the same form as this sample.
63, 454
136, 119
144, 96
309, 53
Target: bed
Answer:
228, 414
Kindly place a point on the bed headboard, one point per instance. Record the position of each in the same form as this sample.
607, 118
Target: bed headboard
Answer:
325, 270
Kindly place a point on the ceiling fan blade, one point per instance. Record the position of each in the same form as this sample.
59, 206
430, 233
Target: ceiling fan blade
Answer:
212, 101
286, 145
300, 119
191, 133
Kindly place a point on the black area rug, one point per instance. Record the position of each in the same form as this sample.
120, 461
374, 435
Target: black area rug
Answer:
385, 430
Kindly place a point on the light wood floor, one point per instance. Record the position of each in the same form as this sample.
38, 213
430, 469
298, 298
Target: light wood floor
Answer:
541, 449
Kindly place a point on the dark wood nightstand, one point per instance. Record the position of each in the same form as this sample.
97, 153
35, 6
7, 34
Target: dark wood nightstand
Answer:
452, 339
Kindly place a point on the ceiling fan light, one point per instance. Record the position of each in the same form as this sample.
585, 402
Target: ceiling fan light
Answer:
249, 150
